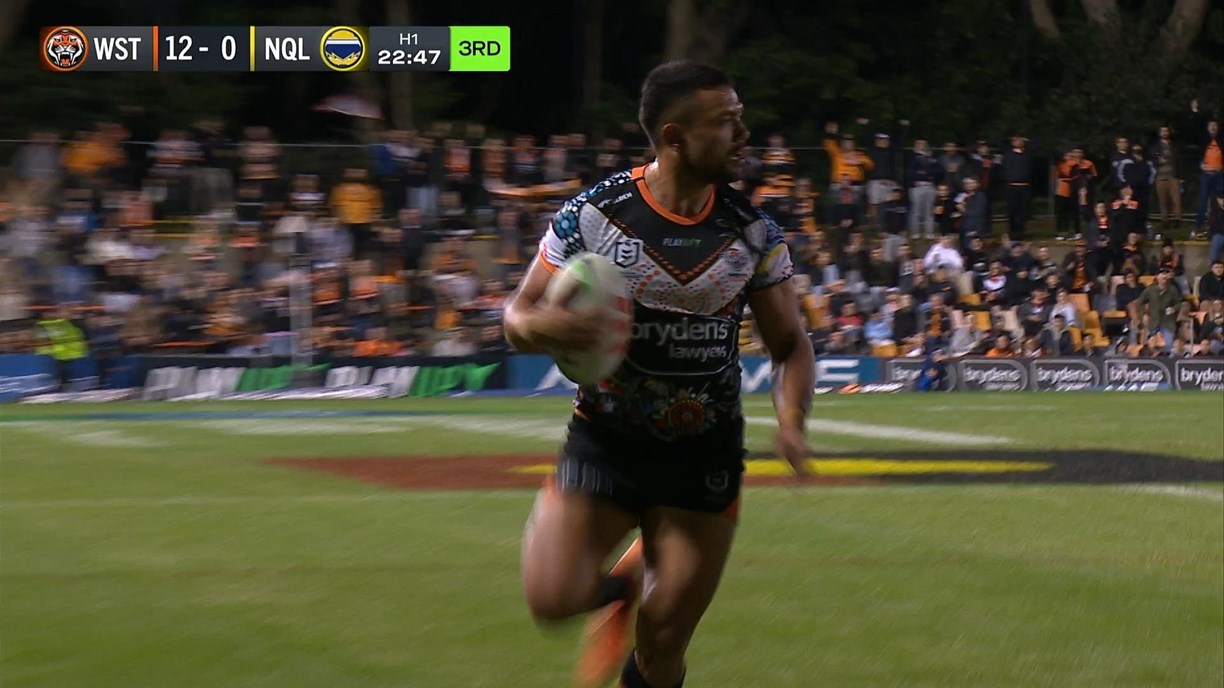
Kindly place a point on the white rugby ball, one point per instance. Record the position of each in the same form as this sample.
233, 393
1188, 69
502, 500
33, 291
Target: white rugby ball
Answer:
598, 283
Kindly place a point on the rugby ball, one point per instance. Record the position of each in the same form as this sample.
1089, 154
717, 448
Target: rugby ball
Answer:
596, 282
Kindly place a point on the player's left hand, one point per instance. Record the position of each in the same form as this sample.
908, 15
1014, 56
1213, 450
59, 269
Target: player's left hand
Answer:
793, 446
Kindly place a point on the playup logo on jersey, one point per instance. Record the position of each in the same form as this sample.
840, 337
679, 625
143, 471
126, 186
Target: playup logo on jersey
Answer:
65, 49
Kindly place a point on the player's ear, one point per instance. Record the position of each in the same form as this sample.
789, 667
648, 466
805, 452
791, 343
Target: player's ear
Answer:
670, 135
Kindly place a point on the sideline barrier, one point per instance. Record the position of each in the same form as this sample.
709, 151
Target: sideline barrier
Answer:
197, 377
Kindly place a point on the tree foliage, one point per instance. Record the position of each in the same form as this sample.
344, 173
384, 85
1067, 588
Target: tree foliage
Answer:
1066, 71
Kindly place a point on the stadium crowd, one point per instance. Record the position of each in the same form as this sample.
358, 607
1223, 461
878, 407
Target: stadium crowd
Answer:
413, 249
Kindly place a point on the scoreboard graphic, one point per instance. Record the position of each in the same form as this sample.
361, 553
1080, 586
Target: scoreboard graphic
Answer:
274, 48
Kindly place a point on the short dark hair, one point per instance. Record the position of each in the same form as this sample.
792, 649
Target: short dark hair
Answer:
670, 82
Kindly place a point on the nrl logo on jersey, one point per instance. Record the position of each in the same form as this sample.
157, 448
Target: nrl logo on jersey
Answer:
628, 252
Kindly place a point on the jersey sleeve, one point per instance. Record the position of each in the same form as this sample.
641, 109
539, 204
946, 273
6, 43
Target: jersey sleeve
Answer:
563, 238
774, 262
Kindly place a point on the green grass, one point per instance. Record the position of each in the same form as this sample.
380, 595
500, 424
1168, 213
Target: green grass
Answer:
165, 553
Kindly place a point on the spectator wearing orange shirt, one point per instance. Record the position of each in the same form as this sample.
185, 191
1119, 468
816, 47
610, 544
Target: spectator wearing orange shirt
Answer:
847, 162
1002, 348
357, 204
377, 343
1211, 164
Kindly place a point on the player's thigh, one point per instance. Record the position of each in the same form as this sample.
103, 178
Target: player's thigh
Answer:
686, 552
565, 543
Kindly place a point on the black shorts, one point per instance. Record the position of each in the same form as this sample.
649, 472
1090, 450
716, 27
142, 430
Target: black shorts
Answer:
638, 476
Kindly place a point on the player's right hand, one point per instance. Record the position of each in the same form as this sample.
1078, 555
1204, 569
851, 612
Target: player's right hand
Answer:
556, 327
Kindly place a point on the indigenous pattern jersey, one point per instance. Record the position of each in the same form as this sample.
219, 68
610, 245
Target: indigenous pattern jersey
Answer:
689, 279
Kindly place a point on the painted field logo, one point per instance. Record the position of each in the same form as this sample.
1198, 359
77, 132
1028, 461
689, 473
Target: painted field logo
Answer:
1140, 374
993, 376
1205, 376
1062, 375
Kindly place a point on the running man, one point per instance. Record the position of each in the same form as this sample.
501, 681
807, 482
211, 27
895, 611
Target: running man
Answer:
660, 444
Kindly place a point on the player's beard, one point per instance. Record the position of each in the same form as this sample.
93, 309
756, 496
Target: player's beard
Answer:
721, 167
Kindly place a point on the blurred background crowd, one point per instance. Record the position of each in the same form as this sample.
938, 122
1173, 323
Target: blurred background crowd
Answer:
207, 240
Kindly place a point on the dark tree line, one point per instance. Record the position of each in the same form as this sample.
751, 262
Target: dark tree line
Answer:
1064, 71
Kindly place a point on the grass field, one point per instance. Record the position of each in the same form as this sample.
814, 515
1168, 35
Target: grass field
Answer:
961, 540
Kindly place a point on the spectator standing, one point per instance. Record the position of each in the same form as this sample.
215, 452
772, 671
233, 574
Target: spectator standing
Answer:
983, 165
946, 211
1168, 178
923, 174
1215, 227
1140, 174
952, 167
1117, 156
1064, 199
1211, 164
974, 209
778, 161
885, 173
848, 164
357, 204
1158, 307
1018, 175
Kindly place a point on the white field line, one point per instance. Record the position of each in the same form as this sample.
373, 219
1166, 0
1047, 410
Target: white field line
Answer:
935, 408
1177, 491
890, 432
406, 496
235, 500
526, 428
86, 433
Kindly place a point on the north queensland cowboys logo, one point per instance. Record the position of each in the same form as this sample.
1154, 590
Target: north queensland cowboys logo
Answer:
65, 49
628, 252
342, 48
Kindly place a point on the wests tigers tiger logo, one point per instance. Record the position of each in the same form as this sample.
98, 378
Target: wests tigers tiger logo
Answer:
65, 49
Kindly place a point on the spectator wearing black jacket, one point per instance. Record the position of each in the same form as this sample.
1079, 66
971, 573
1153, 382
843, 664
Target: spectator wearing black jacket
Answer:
984, 165
1018, 175
1211, 285
1120, 153
1215, 227
885, 173
1140, 174
1124, 217
974, 209
947, 214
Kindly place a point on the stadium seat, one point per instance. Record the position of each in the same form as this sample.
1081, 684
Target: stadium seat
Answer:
884, 350
1077, 337
1091, 320
811, 306
971, 299
1081, 303
1110, 315
1147, 280
981, 320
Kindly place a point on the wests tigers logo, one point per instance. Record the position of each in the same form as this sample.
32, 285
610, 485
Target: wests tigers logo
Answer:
65, 49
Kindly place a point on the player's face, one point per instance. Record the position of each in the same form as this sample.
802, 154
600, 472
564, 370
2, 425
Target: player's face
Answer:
715, 136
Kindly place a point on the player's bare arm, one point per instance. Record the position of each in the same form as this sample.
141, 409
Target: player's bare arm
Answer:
535, 326
777, 317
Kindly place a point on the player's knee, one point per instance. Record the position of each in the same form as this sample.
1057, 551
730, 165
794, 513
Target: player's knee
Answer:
551, 606
553, 603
